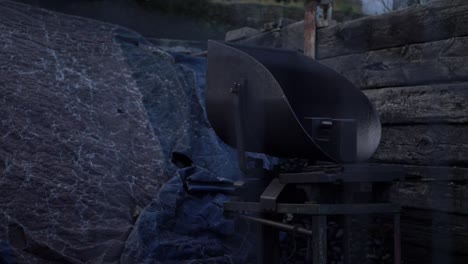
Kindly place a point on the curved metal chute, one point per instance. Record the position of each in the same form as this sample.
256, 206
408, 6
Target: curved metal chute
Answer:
290, 105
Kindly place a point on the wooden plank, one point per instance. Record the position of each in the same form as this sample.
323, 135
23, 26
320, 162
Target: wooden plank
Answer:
418, 24
434, 237
292, 36
441, 61
435, 21
446, 197
421, 23
435, 173
271, 39
436, 144
414, 254
422, 104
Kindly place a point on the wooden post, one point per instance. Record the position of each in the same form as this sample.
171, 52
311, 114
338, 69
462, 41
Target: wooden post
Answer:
310, 29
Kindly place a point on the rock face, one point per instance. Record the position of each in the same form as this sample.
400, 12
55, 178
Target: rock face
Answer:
94, 119
78, 157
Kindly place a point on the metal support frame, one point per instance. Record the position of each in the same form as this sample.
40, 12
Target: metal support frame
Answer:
268, 206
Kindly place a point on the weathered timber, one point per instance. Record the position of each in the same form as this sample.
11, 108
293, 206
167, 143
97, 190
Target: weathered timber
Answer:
421, 104
310, 29
440, 61
414, 254
422, 23
292, 36
446, 197
269, 39
425, 144
435, 173
418, 24
434, 237
442, 189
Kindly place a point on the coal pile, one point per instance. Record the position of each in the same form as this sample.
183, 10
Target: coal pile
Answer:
371, 243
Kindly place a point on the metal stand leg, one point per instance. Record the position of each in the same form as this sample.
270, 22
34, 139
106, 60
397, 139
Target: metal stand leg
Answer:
270, 245
238, 90
347, 198
397, 238
347, 239
309, 251
319, 239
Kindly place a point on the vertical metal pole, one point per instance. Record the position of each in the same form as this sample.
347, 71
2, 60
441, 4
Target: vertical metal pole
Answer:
319, 239
310, 29
238, 91
347, 199
397, 238
270, 243
347, 240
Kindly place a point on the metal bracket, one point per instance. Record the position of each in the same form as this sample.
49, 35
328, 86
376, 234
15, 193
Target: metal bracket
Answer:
269, 197
342, 131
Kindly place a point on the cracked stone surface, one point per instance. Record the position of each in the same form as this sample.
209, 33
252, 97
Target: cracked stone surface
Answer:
78, 156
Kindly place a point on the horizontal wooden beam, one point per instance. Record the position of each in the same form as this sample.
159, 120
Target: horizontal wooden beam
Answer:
441, 61
435, 173
446, 197
422, 104
431, 22
434, 188
418, 24
411, 64
421, 23
434, 237
269, 39
426, 144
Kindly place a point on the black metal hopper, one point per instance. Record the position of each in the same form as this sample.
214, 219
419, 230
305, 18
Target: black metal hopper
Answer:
285, 104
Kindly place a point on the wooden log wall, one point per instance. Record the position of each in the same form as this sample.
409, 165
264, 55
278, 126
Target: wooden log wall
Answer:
413, 65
